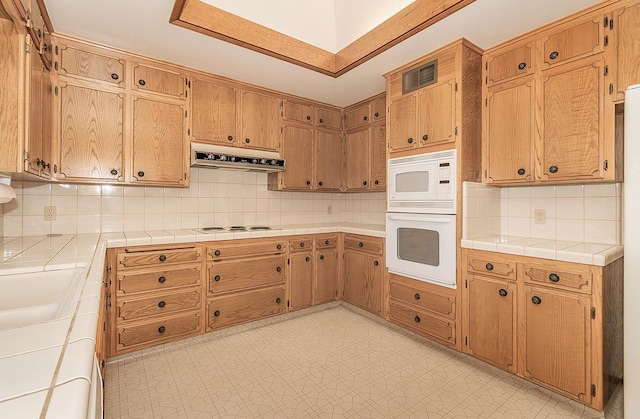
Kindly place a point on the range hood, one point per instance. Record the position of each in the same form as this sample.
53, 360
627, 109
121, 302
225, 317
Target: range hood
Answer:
222, 157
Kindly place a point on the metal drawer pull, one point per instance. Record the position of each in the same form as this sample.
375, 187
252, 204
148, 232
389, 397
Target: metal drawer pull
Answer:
217, 253
321, 257
417, 319
522, 66
162, 279
360, 244
503, 292
161, 304
536, 300
161, 329
278, 300
307, 259
554, 277
216, 278
162, 258
278, 269
554, 55
417, 296
489, 266
216, 313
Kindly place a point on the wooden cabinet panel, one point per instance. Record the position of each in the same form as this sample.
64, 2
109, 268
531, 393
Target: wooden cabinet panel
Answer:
379, 109
626, 48
159, 142
403, 124
169, 277
325, 242
576, 41
91, 134
245, 307
327, 160
159, 304
363, 243
326, 275
301, 244
261, 247
491, 319
357, 117
328, 118
509, 133
299, 112
572, 118
557, 340
232, 275
78, 63
34, 132
505, 65
438, 304
422, 323
494, 264
378, 157
133, 336
436, 119
213, 113
157, 258
363, 281
157, 80
11, 68
260, 121
297, 150
47, 122
357, 154
575, 280
301, 280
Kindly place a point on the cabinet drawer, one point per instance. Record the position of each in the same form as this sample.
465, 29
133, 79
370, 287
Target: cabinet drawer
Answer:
159, 81
572, 280
245, 307
490, 264
367, 244
76, 62
439, 304
235, 275
328, 118
139, 281
301, 244
326, 242
357, 117
577, 41
510, 64
248, 249
129, 337
159, 257
135, 308
423, 323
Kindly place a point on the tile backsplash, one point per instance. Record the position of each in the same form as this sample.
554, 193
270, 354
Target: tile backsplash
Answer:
214, 197
579, 213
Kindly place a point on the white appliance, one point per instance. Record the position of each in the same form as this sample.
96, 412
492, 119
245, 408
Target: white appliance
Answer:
235, 158
421, 217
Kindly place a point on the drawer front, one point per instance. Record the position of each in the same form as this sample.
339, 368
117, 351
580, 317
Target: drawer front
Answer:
365, 244
159, 81
580, 40
136, 308
301, 244
245, 307
491, 265
158, 279
439, 304
236, 275
423, 323
510, 64
159, 257
76, 62
218, 252
326, 242
132, 336
579, 281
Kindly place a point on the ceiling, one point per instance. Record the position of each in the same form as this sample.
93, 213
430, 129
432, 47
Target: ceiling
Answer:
142, 26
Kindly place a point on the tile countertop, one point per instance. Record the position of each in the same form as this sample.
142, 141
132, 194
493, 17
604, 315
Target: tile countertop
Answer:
46, 369
598, 254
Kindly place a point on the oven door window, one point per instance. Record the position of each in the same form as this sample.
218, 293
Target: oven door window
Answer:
419, 245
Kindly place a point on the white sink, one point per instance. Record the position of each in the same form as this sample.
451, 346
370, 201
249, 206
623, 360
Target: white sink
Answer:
36, 297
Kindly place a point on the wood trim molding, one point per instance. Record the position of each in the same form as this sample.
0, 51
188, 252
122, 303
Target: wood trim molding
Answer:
217, 23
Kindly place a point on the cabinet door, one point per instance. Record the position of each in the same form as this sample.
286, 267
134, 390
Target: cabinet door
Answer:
327, 160
326, 275
362, 281
11, 70
297, 149
78, 63
572, 119
357, 117
626, 64
505, 65
328, 118
299, 112
437, 114
91, 134
213, 113
557, 340
573, 42
260, 121
491, 319
357, 154
379, 157
47, 121
301, 280
403, 125
158, 142
509, 133
35, 108
151, 79
379, 109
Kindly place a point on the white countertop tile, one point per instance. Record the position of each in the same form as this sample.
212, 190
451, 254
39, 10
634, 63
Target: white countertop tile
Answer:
29, 406
69, 400
28, 339
27, 373
77, 361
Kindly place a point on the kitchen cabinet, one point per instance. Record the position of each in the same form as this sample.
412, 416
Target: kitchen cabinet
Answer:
153, 79
91, 64
357, 116
555, 323
329, 118
260, 121
509, 63
313, 272
39, 105
357, 152
327, 160
625, 35
573, 40
297, 150
363, 272
214, 109
301, 272
403, 128
156, 296
12, 71
327, 269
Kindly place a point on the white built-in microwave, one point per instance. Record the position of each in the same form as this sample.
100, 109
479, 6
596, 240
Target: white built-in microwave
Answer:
424, 183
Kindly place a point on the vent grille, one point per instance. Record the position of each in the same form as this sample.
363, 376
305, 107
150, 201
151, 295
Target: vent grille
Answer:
420, 77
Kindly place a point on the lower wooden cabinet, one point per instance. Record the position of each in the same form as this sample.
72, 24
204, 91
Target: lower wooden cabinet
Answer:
244, 307
301, 279
313, 273
145, 333
327, 272
363, 272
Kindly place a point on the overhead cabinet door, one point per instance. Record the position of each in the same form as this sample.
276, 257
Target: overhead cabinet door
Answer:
213, 113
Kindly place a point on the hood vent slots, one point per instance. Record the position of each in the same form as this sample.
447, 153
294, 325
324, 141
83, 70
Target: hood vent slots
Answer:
234, 158
420, 77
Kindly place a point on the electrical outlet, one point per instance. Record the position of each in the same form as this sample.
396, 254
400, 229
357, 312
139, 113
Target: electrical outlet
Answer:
540, 216
50, 213
329, 209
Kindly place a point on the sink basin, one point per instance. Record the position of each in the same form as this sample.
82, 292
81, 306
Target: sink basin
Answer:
36, 297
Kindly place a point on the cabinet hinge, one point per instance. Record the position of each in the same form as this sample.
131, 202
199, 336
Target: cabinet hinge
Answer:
26, 156
610, 88
108, 268
288, 303
606, 70
466, 284
185, 114
189, 131
288, 261
606, 21
486, 65
455, 131
486, 102
456, 87
466, 341
605, 165
56, 91
610, 23
486, 79
593, 390
593, 313
27, 48
606, 40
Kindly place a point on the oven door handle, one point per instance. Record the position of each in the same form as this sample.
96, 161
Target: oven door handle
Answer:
408, 217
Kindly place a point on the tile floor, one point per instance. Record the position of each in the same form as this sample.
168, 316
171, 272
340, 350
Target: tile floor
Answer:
327, 364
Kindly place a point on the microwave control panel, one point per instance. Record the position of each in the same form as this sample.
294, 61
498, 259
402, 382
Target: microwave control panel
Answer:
446, 185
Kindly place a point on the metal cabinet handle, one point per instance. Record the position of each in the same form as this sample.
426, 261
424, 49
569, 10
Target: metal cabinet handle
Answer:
425, 137
115, 76
217, 253
279, 247
417, 296
521, 171
536, 300
247, 140
216, 313
278, 300
216, 278
308, 118
321, 257
553, 169
554, 55
522, 66
162, 279
161, 329
321, 120
140, 173
301, 244
503, 292
114, 172
230, 138
410, 140
162, 258
417, 319
142, 82
360, 244
308, 182
307, 259
278, 269
489, 266
376, 263
161, 304
554, 277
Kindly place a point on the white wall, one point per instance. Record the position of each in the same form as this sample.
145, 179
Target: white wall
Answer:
215, 197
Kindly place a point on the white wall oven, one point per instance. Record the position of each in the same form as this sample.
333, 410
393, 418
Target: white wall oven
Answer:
421, 217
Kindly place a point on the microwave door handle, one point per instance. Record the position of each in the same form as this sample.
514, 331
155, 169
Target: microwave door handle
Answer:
405, 217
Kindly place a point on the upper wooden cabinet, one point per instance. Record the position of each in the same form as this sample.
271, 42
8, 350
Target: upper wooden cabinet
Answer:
311, 114
327, 160
157, 80
87, 63
328, 118
357, 151
509, 63
624, 29
298, 112
357, 116
573, 40
403, 123
260, 121
378, 108
213, 112
297, 150
12, 72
